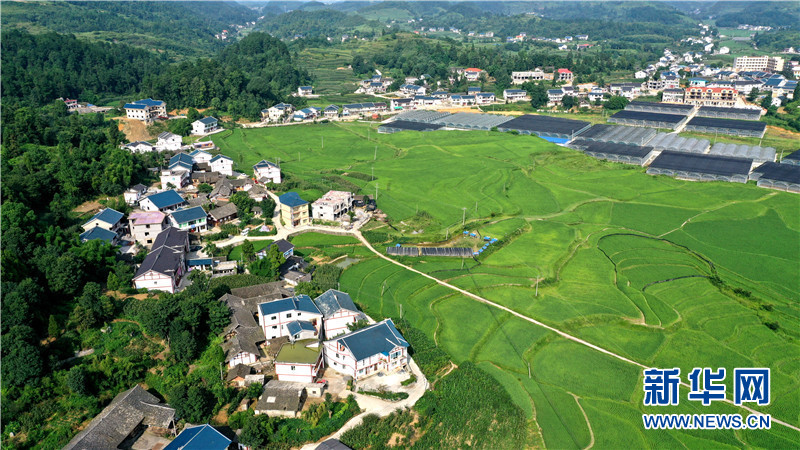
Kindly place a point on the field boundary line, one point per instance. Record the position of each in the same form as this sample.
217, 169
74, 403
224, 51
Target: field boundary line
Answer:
543, 325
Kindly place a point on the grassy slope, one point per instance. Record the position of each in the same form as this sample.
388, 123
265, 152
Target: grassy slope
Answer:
561, 205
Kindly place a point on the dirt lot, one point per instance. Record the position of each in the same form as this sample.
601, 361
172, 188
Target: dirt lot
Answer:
135, 130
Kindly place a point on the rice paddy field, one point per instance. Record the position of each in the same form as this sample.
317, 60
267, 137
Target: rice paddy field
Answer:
665, 272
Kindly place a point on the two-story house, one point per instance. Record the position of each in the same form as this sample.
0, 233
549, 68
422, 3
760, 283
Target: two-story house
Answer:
222, 164
332, 206
165, 265
204, 126
191, 219
275, 317
376, 348
163, 201
110, 221
338, 311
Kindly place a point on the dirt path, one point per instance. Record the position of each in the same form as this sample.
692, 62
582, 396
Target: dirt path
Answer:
588, 424
87, 207
543, 325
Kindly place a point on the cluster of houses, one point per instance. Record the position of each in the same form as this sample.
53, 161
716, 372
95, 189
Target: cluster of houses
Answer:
300, 337
334, 206
538, 74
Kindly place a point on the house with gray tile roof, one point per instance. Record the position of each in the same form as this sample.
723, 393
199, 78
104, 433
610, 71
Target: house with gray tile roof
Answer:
338, 311
124, 416
165, 265
365, 352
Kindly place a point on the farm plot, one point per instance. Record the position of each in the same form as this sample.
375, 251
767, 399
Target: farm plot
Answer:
568, 206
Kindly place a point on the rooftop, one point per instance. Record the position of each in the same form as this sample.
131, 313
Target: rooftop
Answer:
166, 199
302, 352
188, 214
200, 437
381, 337
98, 233
292, 199
108, 215
301, 303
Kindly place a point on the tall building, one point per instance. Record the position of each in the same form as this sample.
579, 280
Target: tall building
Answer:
758, 63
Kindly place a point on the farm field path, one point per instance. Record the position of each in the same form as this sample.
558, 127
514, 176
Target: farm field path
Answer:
540, 324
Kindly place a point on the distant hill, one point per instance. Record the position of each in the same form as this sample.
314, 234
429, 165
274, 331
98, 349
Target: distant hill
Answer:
180, 28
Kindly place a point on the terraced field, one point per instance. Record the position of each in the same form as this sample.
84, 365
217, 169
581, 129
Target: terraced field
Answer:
665, 272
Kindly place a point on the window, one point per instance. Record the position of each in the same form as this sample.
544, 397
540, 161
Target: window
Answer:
147, 233
298, 314
274, 327
147, 226
273, 317
292, 367
288, 315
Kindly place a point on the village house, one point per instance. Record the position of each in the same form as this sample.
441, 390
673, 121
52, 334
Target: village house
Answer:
72, 104
530, 75
294, 210
485, 98
191, 219
200, 437
163, 201
222, 214
171, 179
274, 317
164, 266
204, 126
222, 164
401, 103
140, 147
672, 96
301, 360
332, 206
285, 247
563, 75
134, 193
107, 225
462, 100
473, 73
423, 100
242, 338
267, 172
238, 374
146, 109
331, 112
627, 90
554, 96
281, 398
200, 156
596, 94
515, 95
338, 311
277, 112
145, 226
305, 91
710, 96
764, 63
309, 113
440, 95
128, 415
223, 189
169, 141
413, 89
376, 348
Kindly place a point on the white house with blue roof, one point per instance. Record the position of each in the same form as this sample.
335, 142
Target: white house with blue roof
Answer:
165, 201
205, 125
199, 437
101, 234
276, 316
201, 156
376, 348
146, 109
304, 91
267, 172
222, 164
338, 311
192, 219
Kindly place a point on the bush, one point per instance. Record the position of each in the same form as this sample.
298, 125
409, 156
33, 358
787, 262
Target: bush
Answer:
391, 396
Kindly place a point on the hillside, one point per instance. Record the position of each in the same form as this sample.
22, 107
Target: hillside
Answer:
177, 28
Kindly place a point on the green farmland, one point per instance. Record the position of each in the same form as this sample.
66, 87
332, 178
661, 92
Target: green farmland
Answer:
664, 272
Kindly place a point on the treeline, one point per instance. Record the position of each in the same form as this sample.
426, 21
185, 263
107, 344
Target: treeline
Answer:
244, 78
323, 23
773, 15
40, 68
179, 28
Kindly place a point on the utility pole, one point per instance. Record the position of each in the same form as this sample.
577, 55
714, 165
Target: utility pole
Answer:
401, 310
476, 207
323, 141
383, 288
373, 173
376, 192
464, 216
376, 154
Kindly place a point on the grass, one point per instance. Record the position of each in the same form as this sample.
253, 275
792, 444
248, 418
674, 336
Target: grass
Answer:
609, 246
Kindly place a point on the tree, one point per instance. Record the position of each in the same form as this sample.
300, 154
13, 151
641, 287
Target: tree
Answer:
568, 102
183, 345
751, 97
616, 102
193, 404
244, 204
52, 327
66, 275
307, 288
22, 361
265, 268
205, 188
538, 95
267, 207
193, 115
248, 251
77, 380
766, 102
